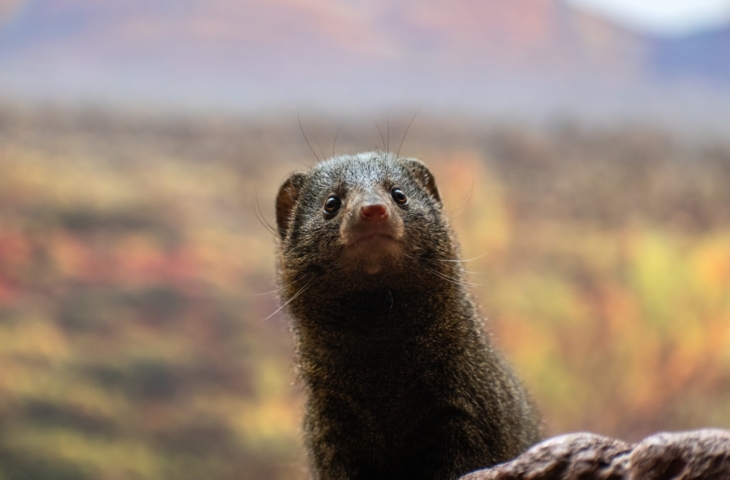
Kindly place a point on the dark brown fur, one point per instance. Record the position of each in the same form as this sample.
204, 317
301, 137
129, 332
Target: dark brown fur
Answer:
401, 380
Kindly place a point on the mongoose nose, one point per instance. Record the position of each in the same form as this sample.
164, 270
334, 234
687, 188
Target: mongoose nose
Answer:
374, 213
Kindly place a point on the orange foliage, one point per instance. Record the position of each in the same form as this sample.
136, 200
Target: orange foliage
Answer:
133, 288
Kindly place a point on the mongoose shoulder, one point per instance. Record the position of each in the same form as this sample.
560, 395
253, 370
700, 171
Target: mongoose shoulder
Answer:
401, 380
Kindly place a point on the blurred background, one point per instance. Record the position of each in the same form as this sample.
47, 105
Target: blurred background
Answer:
580, 147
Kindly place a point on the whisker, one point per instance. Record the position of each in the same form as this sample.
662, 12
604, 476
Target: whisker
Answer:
387, 132
452, 280
473, 273
442, 275
320, 149
408, 255
264, 293
260, 215
272, 291
335, 142
406, 132
382, 138
305, 136
301, 290
467, 260
303, 164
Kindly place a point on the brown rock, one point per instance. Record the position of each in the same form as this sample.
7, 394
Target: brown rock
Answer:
573, 456
696, 455
701, 454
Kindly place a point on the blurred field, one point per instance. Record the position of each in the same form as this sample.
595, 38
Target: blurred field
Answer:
134, 272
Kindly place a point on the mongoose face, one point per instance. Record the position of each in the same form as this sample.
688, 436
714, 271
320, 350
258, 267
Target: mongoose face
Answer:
370, 216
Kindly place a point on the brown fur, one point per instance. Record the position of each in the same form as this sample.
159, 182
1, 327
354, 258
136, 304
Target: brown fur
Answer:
401, 380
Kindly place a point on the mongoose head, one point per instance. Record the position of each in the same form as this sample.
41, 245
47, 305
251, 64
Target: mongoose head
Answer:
369, 217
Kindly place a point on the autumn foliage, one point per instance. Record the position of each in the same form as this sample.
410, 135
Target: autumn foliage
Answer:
137, 339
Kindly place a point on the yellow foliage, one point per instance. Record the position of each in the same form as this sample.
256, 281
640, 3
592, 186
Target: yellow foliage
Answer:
473, 199
132, 344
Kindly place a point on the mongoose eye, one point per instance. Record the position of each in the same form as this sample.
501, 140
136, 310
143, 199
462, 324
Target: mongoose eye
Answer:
399, 197
332, 205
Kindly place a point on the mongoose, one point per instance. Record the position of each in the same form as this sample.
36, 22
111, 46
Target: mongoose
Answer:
401, 380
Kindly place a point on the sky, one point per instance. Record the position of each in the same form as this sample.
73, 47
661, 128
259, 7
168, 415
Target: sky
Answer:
668, 17
658, 16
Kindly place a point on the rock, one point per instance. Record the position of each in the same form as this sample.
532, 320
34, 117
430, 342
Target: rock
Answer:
577, 455
697, 455
701, 454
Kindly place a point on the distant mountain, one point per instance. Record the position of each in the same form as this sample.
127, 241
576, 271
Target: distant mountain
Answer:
704, 55
515, 34
529, 57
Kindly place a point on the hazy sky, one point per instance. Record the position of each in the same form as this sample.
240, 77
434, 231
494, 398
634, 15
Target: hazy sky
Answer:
661, 16
664, 16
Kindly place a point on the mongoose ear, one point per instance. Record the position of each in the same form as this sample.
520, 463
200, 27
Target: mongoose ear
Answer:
286, 200
424, 177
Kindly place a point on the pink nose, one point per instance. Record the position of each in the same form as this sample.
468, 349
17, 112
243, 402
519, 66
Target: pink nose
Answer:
374, 213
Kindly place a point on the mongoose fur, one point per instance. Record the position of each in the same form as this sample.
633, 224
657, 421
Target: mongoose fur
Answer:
401, 380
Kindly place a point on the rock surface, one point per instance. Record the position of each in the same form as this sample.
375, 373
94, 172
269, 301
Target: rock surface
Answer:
695, 455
